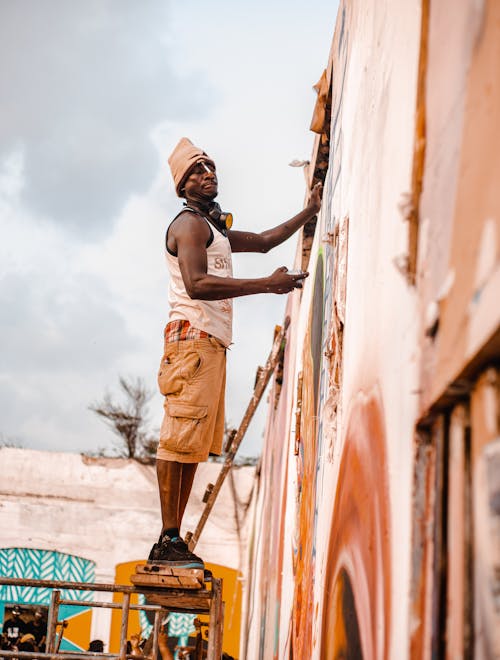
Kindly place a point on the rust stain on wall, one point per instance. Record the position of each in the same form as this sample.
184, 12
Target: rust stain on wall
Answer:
359, 553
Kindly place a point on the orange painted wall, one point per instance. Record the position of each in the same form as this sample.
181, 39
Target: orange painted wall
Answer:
231, 594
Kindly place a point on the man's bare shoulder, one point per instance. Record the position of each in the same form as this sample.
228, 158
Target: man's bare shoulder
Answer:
189, 223
189, 229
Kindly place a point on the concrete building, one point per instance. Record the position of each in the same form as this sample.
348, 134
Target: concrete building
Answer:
73, 517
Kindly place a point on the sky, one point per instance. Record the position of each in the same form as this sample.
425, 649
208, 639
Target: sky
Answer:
96, 95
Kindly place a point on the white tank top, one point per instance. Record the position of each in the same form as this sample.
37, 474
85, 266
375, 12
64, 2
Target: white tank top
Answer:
212, 316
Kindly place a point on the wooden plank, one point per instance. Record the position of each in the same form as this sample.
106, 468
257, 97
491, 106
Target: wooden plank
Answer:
437, 595
172, 581
485, 469
162, 569
428, 584
194, 601
457, 588
422, 544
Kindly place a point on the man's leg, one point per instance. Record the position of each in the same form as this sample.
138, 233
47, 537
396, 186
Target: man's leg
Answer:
175, 481
174, 484
187, 478
169, 475
189, 438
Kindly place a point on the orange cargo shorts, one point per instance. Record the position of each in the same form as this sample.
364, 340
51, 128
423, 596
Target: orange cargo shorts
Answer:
192, 377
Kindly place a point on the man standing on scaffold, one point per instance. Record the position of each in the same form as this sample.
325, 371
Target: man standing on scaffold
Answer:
199, 242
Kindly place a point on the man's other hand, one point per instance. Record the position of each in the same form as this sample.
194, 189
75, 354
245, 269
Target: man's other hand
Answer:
282, 282
315, 198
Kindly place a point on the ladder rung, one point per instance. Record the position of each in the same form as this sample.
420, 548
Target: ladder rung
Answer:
208, 492
229, 440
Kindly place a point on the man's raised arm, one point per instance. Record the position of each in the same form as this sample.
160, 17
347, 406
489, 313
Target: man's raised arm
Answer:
244, 241
191, 239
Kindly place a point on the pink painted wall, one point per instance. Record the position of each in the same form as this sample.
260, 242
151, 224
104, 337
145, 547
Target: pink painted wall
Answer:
338, 568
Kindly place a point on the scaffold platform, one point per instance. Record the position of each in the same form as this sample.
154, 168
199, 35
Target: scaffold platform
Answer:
206, 599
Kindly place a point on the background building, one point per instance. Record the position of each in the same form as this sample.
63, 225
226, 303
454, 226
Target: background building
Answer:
76, 518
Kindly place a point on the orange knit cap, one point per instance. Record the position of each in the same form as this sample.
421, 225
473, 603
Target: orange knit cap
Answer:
182, 158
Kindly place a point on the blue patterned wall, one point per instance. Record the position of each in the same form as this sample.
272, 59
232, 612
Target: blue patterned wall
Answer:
43, 565
180, 624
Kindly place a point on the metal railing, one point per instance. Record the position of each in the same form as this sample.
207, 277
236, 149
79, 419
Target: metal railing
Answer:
194, 601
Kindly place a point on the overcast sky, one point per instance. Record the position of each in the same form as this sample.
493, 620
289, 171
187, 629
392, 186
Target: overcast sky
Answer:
96, 93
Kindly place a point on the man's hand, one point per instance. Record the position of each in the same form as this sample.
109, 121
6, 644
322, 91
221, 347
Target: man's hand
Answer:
315, 199
163, 645
135, 641
244, 241
282, 282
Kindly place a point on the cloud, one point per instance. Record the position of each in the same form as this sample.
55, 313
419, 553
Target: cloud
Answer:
59, 325
87, 83
63, 345
64, 335
99, 93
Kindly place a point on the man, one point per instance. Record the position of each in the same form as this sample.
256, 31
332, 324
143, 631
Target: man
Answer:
27, 643
96, 646
192, 374
38, 628
14, 628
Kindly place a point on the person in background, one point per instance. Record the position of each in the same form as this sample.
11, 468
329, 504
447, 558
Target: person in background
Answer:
38, 628
135, 644
141, 647
13, 628
163, 645
27, 643
96, 646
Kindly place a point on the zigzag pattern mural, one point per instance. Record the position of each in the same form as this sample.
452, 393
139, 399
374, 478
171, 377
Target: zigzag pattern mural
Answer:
180, 624
43, 565
146, 627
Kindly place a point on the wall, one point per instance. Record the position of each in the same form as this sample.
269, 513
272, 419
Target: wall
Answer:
377, 505
100, 513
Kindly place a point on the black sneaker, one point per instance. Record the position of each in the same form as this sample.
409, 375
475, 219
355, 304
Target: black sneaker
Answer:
154, 554
154, 551
175, 552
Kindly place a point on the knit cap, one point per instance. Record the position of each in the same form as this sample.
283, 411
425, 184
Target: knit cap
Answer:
182, 159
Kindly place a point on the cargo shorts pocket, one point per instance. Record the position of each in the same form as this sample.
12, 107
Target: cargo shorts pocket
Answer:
176, 369
183, 428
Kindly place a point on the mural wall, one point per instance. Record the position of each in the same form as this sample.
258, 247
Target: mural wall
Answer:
375, 513
48, 565
180, 626
37, 541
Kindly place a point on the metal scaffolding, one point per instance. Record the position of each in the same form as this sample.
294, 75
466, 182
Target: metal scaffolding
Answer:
160, 601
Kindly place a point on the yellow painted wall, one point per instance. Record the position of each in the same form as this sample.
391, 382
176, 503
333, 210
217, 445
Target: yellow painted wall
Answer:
78, 630
231, 594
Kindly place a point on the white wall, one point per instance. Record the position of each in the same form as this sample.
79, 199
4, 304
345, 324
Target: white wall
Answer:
105, 509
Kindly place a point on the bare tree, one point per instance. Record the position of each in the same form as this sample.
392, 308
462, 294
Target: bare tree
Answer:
129, 420
8, 441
